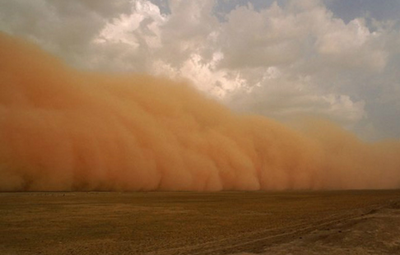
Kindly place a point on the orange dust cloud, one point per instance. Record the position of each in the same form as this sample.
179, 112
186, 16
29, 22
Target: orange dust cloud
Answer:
64, 129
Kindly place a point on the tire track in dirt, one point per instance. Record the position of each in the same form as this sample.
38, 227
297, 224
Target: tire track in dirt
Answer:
257, 241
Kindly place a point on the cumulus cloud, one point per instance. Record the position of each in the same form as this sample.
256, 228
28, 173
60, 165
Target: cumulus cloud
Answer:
280, 59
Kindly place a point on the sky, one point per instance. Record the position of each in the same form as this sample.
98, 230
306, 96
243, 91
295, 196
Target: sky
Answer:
334, 59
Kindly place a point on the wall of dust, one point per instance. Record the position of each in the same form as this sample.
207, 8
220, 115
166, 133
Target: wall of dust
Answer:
62, 129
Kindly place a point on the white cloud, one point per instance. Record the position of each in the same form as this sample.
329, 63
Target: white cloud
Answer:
281, 61
144, 21
353, 46
284, 100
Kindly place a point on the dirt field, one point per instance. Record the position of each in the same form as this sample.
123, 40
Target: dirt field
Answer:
334, 222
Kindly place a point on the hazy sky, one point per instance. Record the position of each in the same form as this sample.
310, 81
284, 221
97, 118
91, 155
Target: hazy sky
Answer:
337, 59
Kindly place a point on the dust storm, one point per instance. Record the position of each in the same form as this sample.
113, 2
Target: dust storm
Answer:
66, 129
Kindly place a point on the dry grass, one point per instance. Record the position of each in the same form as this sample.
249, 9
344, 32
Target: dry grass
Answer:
199, 223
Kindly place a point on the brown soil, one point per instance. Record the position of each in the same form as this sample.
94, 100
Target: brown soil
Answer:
329, 222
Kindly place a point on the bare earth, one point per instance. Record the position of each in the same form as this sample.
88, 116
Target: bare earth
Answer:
329, 222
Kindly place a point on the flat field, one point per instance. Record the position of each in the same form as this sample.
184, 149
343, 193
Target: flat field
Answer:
323, 222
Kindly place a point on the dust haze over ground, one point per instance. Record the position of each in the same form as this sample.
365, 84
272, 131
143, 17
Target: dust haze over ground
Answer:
63, 129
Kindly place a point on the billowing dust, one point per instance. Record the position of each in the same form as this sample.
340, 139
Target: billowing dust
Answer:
64, 129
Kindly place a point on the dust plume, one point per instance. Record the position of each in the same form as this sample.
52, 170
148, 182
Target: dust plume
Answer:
63, 129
